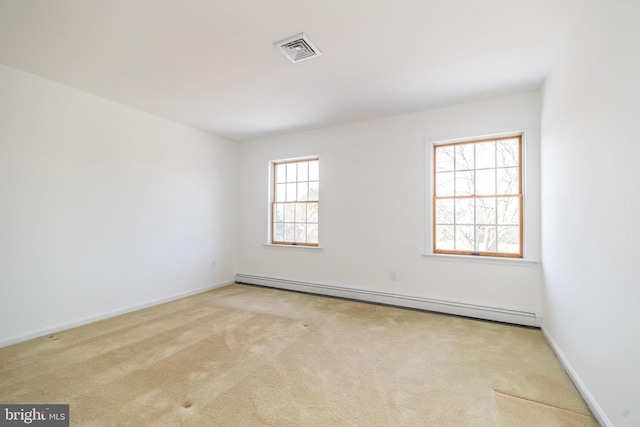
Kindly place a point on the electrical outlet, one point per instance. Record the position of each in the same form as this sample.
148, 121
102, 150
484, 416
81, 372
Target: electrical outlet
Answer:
393, 274
213, 264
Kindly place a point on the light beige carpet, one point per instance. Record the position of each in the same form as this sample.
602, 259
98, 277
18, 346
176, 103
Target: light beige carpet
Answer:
250, 356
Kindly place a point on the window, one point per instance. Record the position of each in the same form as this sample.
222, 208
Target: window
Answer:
477, 198
294, 208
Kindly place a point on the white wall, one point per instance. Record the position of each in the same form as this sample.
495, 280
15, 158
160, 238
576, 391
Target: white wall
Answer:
373, 205
104, 207
590, 188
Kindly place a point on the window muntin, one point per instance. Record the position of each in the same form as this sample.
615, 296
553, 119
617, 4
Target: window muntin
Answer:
477, 198
294, 208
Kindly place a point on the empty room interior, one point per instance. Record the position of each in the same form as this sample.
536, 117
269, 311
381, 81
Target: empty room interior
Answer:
321, 213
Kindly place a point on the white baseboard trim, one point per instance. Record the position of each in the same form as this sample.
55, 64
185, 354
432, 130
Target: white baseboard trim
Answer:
400, 300
102, 316
597, 411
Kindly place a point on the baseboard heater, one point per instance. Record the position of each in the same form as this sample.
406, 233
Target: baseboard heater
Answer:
428, 304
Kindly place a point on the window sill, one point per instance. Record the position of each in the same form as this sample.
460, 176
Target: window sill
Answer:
482, 259
309, 248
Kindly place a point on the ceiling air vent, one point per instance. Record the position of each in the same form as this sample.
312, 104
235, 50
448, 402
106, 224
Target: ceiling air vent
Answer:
298, 48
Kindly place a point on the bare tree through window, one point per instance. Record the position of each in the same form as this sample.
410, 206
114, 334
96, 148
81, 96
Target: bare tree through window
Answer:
477, 203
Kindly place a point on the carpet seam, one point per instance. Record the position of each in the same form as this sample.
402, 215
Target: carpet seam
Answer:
541, 403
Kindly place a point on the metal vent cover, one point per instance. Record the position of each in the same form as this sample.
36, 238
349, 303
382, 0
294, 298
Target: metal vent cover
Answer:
298, 48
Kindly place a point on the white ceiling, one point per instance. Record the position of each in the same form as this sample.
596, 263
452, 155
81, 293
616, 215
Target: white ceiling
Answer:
210, 64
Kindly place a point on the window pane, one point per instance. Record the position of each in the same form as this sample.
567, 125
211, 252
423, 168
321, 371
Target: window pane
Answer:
314, 190
509, 210
289, 212
465, 240
444, 158
294, 219
444, 211
464, 211
314, 170
444, 184
464, 184
301, 233
312, 233
303, 171
281, 191
278, 231
289, 232
312, 212
486, 238
291, 192
485, 155
278, 214
291, 172
485, 182
509, 239
486, 211
303, 191
464, 157
444, 237
301, 212
507, 181
507, 151
281, 173
477, 196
